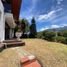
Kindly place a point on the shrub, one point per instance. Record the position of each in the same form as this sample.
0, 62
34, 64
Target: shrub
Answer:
48, 35
60, 39
62, 33
40, 35
66, 40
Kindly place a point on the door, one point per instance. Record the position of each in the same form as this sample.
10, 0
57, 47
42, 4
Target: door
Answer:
7, 31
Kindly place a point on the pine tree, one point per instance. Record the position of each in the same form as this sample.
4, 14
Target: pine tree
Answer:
33, 31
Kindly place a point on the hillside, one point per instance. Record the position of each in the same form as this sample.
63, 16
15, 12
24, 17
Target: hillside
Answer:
55, 29
58, 29
49, 54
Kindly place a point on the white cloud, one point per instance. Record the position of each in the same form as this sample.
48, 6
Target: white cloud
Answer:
60, 18
58, 26
46, 16
59, 1
55, 26
34, 2
52, 26
64, 25
43, 17
29, 17
44, 28
50, 15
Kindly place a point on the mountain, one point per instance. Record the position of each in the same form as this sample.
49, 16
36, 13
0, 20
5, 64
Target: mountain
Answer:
64, 28
58, 29
55, 29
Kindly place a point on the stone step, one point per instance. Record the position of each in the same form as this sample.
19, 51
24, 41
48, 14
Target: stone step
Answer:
14, 44
1, 47
10, 41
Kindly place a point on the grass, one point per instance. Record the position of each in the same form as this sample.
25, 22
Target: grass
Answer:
50, 54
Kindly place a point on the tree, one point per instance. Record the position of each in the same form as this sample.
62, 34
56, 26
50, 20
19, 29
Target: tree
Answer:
24, 27
33, 31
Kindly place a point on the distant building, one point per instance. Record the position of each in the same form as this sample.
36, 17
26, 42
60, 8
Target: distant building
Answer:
9, 13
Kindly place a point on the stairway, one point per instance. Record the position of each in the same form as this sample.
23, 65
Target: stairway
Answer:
13, 43
1, 47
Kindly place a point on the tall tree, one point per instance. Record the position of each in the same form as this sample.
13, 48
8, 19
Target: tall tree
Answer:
33, 31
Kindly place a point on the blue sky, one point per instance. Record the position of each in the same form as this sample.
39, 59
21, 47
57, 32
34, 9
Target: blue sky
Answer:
48, 13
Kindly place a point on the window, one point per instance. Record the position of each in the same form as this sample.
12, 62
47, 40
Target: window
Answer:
6, 1
7, 5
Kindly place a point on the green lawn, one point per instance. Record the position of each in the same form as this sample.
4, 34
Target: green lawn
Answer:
49, 54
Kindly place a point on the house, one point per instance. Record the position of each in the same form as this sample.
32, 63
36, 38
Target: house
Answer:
9, 14
2, 22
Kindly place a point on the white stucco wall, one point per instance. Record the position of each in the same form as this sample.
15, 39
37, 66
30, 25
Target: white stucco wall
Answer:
2, 22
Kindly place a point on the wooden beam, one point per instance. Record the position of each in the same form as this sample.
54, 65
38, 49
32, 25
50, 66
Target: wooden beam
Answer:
16, 4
